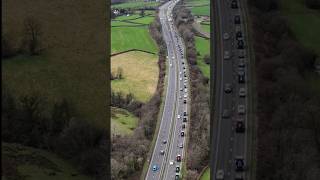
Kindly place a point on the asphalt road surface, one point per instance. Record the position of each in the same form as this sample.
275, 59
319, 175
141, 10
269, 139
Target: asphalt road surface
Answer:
169, 138
227, 144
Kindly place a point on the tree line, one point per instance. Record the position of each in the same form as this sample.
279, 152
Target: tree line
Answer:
288, 107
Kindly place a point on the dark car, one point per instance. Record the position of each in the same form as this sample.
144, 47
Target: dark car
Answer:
227, 88
240, 44
240, 126
183, 126
182, 134
185, 101
238, 35
184, 119
177, 177
178, 169
234, 4
185, 113
239, 163
237, 19
178, 158
241, 77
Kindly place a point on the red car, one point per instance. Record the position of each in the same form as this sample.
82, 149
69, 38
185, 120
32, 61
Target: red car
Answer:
178, 158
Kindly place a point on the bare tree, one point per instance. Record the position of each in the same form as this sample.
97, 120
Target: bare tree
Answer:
33, 35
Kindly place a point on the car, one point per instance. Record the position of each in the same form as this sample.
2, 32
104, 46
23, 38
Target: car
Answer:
239, 176
227, 88
185, 95
234, 4
180, 145
220, 174
185, 113
184, 67
226, 36
185, 86
240, 126
180, 79
155, 168
177, 169
184, 101
241, 76
181, 89
162, 152
242, 92
178, 158
241, 63
185, 119
185, 90
185, 75
239, 35
241, 109
177, 177
182, 133
164, 141
180, 97
184, 125
237, 19
242, 53
240, 44
226, 55
170, 64
182, 62
171, 162
180, 72
239, 163
225, 113
178, 116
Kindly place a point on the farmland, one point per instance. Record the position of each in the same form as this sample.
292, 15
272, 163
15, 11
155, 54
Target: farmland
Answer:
136, 4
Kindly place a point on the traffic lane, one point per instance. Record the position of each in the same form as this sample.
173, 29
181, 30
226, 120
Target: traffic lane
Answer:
158, 160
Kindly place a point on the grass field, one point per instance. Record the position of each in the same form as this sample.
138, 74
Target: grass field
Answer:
122, 121
132, 16
73, 64
37, 164
140, 71
138, 4
304, 22
203, 47
144, 20
201, 10
205, 28
124, 38
206, 175
122, 23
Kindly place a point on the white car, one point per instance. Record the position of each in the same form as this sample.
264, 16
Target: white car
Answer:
185, 96
220, 174
171, 162
178, 116
226, 36
226, 55
241, 109
180, 79
170, 64
242, 92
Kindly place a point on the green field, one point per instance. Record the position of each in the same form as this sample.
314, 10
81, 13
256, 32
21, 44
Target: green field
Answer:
205, 28
206, 175
35, 164
57, 78
144, 20
203, 47
125, 38
133, 5
201, 10
304, 22
122, 121
132, 16
140, 72
122, 23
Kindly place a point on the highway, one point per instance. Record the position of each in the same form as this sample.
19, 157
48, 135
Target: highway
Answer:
170, 142
227, 144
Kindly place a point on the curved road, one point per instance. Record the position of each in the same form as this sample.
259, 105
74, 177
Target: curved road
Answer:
169, 137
